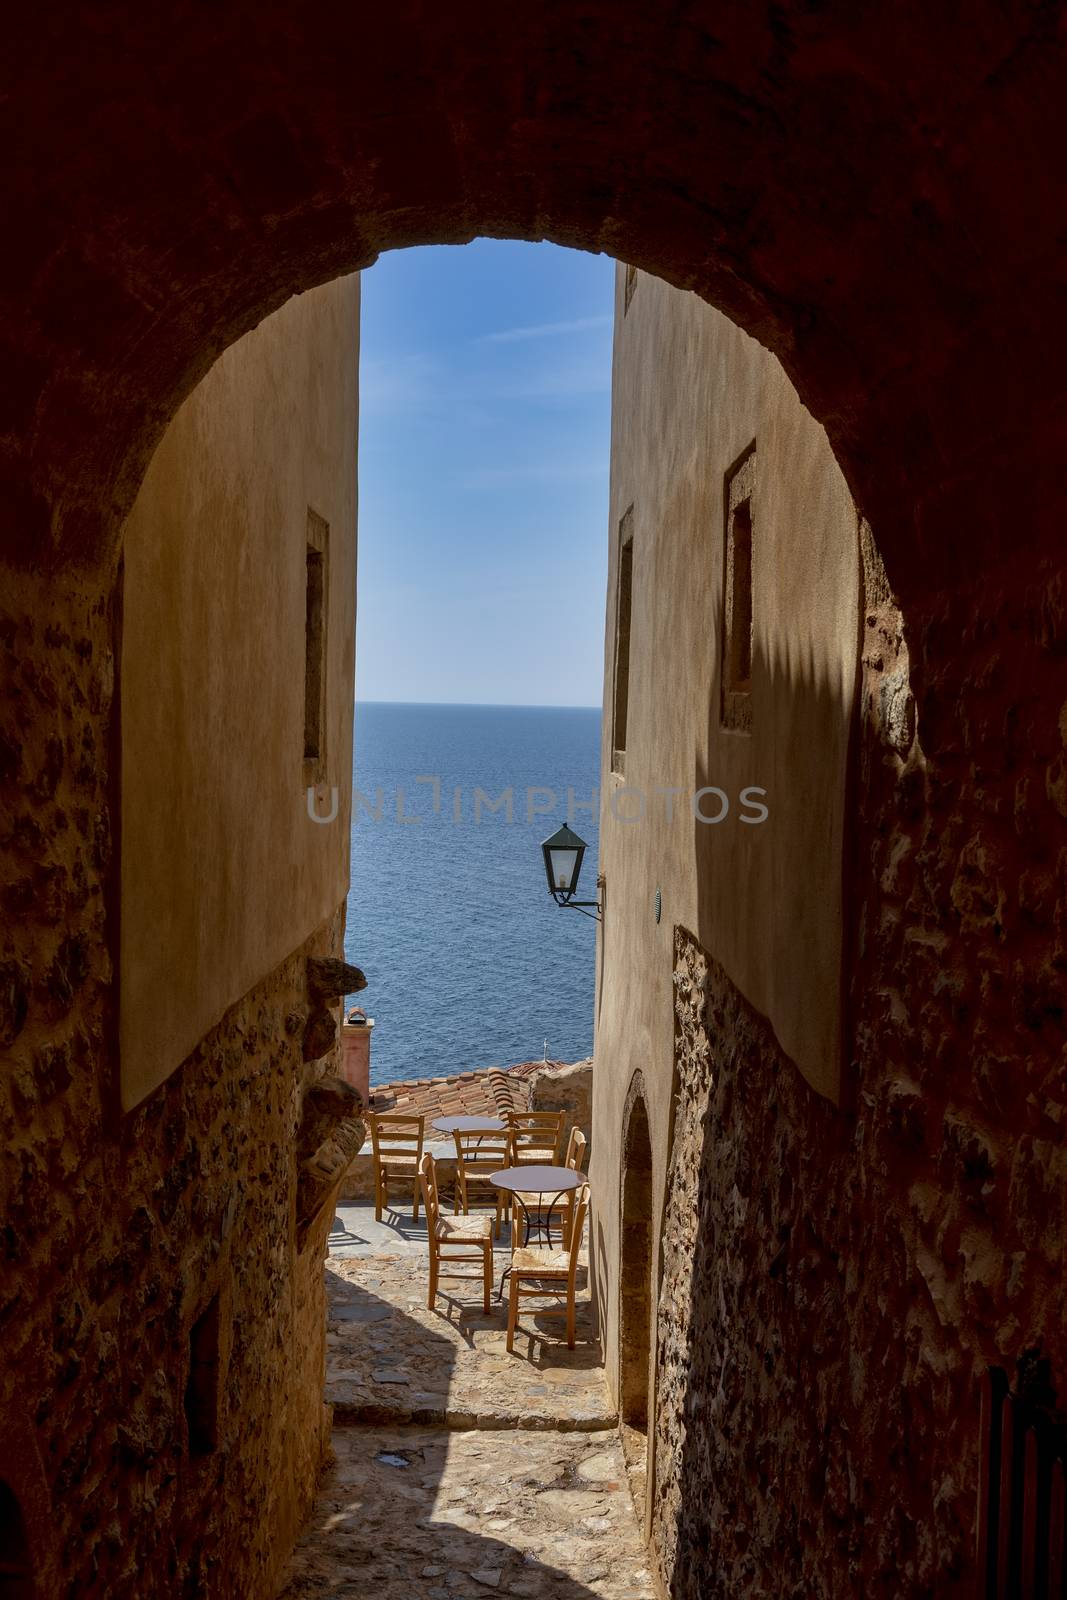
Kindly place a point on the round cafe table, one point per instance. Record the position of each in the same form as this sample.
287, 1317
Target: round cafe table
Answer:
519, 1181
556, 1181
465, 1124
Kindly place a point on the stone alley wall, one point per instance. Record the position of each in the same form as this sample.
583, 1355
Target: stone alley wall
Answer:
131, 1395
834, 1282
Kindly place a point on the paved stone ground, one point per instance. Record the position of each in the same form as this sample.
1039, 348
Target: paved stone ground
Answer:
424, 1514
355, 1233
460, 1472
390, 1359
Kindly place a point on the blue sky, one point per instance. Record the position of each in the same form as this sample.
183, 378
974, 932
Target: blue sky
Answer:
485, 389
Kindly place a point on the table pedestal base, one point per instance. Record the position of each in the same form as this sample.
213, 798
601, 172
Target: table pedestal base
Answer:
539, 1225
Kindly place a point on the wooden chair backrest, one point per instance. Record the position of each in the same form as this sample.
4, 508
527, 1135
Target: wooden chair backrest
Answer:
576, 1146
482, 1150
430, 1198
536, 1137
581, 1206
394, 1133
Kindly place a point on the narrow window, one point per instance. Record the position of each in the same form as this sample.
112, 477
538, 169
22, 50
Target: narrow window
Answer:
202, 1387
737, 597
629, 287
315, 641
623, 608
739, 636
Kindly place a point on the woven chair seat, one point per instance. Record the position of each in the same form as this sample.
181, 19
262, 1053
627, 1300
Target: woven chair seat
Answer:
547, 1263
540, 1272
465, 1228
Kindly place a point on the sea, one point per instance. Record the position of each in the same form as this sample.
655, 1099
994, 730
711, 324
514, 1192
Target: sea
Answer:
469, 962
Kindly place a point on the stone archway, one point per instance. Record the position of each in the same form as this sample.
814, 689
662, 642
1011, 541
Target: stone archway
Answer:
878, 207
828, 187
635, 1288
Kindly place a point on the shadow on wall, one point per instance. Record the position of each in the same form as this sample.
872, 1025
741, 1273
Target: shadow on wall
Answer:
751, 1440
373, 1518
836, 1282
769, 1368
170, 1339
769, 892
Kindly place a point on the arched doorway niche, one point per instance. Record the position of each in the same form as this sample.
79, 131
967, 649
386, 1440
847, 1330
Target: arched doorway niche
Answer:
636, 1290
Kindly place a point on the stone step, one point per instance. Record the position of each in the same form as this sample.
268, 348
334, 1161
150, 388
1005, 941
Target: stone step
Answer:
370, 1414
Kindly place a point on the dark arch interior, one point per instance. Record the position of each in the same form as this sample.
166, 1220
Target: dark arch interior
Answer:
635, 1283
16, 1578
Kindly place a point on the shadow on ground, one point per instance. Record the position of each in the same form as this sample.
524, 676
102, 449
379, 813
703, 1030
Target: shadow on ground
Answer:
390, 1358
461, 1471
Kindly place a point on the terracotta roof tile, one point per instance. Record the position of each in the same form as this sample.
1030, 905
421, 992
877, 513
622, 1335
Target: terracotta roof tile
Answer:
489, 1092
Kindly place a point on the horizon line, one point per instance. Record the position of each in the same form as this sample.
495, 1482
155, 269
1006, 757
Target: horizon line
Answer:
484, 705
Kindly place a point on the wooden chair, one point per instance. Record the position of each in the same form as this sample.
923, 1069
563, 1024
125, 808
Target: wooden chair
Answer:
576, 1150
575, 1159
532, 1270
536, 1138
577, 1147
454, 1238
479, 1153
397, 1144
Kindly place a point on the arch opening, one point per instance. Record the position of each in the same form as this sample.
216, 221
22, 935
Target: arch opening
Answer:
883, 266
16, 1568
635, 1297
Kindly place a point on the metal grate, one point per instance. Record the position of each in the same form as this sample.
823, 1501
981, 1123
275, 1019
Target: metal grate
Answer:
1022, 1505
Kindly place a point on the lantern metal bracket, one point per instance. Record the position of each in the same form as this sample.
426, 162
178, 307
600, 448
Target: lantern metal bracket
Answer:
588, 908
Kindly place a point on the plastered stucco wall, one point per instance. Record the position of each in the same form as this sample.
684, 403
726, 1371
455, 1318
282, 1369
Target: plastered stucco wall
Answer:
223, 874
692, 393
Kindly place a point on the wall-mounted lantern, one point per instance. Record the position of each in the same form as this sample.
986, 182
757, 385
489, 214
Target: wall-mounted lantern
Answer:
563, 855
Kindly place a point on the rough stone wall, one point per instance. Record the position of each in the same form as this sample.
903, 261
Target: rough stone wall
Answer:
834, 1282
566, 1088
117, 1232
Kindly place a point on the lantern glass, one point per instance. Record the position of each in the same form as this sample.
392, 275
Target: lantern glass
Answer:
563, 861
563, 874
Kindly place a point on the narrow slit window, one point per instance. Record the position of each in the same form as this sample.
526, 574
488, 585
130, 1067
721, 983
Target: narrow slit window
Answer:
202, 1387
623, 610
630, 286
739, 638
315, 641
737, 597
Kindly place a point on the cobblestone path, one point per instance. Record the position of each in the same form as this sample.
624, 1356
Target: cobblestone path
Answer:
461, 1472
